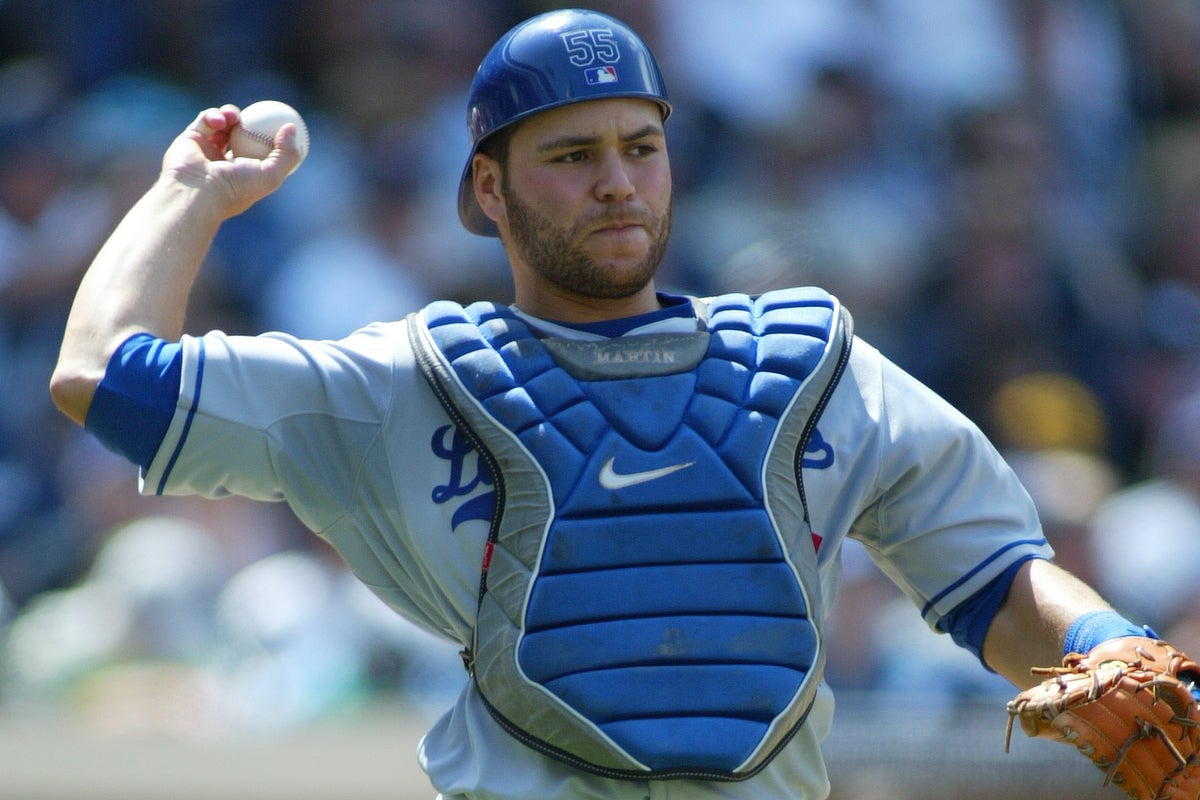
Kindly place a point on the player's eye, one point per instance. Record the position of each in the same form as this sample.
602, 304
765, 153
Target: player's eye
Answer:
573, 157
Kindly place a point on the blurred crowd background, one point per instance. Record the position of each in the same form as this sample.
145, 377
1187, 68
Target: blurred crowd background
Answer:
1004, 193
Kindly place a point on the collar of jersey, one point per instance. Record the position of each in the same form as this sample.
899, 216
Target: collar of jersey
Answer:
675, 316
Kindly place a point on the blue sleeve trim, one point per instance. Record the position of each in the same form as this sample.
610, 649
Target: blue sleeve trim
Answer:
187, 423
1098, 627
968, 622
1019, 543
135, 401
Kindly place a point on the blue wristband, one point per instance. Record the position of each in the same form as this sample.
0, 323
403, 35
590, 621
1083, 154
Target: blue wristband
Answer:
1097, 627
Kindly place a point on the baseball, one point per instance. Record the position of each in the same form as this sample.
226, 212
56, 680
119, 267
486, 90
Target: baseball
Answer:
254, 135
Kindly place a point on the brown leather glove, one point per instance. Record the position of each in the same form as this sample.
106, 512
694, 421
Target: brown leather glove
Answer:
1129, 706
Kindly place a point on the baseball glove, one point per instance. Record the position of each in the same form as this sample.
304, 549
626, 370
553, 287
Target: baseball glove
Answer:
1129, 706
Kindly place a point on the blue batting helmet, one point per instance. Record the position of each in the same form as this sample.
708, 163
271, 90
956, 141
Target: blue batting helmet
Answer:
552, 60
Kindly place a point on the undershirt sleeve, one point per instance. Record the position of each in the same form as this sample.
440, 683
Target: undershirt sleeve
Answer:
968, 623
135, 401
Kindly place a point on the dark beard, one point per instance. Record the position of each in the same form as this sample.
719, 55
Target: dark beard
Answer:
548, 251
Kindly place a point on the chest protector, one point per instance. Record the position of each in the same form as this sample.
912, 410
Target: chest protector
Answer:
650, 603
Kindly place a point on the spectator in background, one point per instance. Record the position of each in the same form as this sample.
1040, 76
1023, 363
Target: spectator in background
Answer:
1140, 523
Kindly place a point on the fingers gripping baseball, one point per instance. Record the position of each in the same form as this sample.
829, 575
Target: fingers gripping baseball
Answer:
1129, 706
269, 129
209, 154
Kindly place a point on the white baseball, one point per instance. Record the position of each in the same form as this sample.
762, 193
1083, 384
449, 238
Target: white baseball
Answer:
254, 135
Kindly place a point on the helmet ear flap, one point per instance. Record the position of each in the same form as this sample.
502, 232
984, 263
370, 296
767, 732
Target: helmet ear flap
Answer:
552, 60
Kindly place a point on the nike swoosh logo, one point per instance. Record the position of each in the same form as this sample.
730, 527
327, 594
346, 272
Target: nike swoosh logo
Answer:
612, 480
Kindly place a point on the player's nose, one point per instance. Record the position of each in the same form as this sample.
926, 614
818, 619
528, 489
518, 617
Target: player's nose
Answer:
614, 180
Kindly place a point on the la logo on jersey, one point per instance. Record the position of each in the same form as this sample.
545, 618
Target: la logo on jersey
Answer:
452, 446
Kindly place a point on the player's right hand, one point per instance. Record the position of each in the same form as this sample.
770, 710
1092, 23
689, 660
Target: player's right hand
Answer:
199, 157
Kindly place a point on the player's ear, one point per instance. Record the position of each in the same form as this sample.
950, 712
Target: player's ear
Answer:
487, 180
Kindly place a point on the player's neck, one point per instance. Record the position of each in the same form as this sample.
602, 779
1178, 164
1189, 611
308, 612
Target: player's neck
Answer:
552, 304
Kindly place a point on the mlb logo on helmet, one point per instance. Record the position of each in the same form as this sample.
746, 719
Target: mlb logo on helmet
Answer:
599, 75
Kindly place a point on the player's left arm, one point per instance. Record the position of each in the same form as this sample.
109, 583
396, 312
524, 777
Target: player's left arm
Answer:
1031, 626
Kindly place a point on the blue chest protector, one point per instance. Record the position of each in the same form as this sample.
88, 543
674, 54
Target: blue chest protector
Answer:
650, 603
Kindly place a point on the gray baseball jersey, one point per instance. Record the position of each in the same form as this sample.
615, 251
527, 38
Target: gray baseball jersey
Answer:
350, 435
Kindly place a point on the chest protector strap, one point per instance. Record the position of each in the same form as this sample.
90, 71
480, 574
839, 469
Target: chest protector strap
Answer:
651, 607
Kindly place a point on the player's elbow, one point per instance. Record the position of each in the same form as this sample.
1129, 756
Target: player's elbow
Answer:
72, 391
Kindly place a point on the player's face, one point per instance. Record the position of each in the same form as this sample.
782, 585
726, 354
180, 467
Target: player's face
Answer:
587, 198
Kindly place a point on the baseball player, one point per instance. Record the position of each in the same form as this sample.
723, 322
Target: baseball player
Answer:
626, 506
